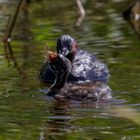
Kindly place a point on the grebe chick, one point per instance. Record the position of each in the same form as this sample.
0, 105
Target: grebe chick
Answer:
61, 66
85, 66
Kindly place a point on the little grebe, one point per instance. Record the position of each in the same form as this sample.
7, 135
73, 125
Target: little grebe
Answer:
85, 66
61, 66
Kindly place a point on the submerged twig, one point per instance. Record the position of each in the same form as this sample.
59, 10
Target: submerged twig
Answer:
5, 45
12, 24
7, 38
82, 12
13, 58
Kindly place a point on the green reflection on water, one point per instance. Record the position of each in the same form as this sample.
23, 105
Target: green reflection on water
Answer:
26, 113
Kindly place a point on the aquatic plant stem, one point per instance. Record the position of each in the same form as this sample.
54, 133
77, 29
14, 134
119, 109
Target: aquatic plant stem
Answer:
7, 37
12, 23
82, 12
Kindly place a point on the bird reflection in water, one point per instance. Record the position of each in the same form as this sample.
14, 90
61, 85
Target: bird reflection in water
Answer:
61, 121
58, 123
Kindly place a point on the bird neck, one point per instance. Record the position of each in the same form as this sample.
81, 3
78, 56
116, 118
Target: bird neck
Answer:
71, 56
60, 80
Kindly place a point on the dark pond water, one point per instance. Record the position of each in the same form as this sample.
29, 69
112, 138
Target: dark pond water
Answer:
27, 114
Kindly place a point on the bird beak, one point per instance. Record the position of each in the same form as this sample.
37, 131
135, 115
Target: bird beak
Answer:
65, 52
52, 56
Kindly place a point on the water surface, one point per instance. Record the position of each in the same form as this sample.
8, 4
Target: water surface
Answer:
28, 114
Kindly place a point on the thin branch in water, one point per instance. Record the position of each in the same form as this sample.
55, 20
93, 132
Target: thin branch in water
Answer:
12, 24
82, 13
5, 45
9, 50
7, 38
7, 53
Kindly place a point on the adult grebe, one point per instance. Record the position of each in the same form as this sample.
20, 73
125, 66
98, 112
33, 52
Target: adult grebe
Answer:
61, 66
85, 66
